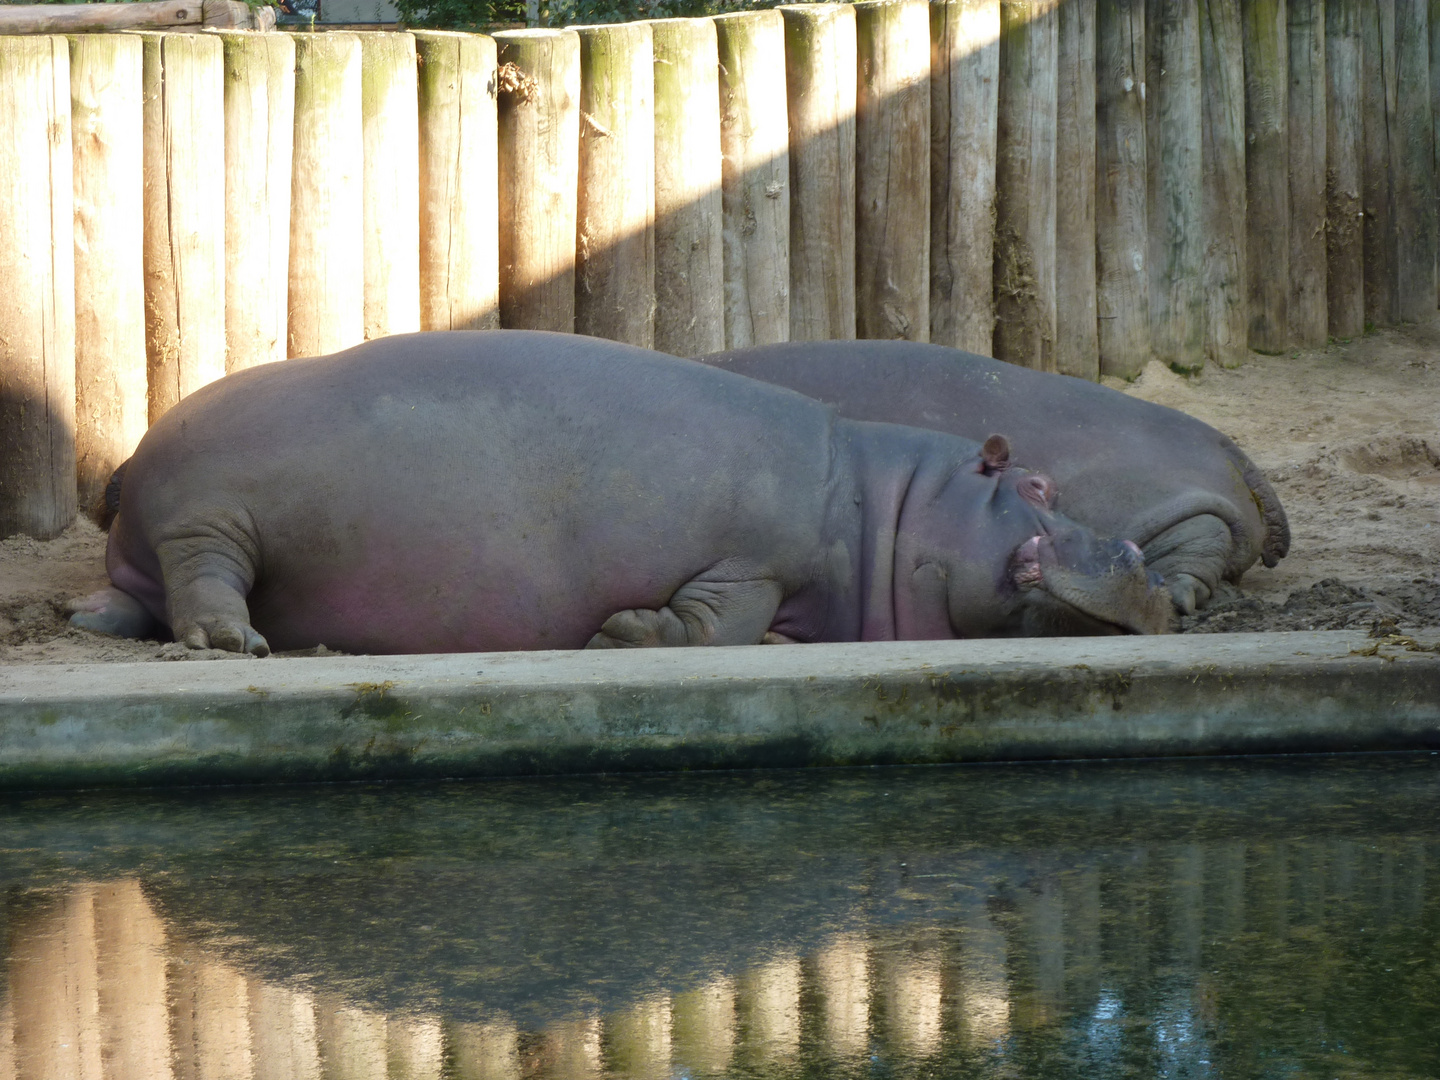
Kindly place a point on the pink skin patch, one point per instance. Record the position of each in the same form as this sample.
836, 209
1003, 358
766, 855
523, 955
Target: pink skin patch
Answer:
1025, 570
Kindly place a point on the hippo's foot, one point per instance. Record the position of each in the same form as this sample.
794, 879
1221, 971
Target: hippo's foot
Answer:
113, 611
207, 606
216, 632
1188, 592
1192, 555
700, 613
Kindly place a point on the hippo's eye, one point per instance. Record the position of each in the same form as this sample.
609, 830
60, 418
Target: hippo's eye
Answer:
1037, 490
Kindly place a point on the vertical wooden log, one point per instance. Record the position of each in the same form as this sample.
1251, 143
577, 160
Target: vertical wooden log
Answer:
1267, 172
488, 1049
755, 177
130, 973
353, 1039
389, 114
1413, 162
1122, 290
52, 980
1435, 117
615, 208
327, 214
637, 1039
1025, 184
184, 231
284, 1035
1173, 131
1222, 63
538, 147
1077, 343
820, 90
892, 170
1377, 107
702, 1025
964, 89
110, 382
7, 1038
689, 248
37, 289
1344, 156
415, 1048
209, 1016
459, 209
1308, 312
259, 147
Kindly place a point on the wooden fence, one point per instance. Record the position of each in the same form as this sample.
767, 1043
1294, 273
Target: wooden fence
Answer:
1075, 185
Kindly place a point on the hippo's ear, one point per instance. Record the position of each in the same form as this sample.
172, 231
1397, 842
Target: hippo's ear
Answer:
995, 455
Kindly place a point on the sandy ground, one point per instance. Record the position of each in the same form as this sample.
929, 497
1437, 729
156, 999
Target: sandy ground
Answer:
1349, 435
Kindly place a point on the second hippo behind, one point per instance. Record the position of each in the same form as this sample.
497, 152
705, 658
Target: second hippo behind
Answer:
498, 490
1200, 509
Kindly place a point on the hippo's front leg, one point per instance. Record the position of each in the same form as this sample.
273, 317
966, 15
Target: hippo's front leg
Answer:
206, 582
699, 613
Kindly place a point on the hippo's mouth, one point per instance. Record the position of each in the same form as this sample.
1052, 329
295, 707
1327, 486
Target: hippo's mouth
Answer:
1072, 585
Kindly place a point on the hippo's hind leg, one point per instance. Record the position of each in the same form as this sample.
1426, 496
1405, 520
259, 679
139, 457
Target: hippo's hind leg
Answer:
700, 613
207, 578
1192, 555
113, 611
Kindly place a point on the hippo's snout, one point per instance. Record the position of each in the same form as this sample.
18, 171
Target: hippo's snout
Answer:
1071, 553
1076, 579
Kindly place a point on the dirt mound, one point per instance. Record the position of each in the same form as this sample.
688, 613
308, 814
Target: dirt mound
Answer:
1330, 604
1396, 456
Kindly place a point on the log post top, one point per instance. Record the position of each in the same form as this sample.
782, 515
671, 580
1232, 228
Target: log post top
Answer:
152, 15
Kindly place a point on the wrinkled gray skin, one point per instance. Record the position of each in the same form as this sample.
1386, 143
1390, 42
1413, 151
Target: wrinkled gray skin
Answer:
1197, 506
519, 490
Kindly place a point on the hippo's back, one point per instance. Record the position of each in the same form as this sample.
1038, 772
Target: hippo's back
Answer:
1115, 458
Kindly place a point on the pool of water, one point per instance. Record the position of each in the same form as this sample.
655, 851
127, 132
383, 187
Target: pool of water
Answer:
1272, 918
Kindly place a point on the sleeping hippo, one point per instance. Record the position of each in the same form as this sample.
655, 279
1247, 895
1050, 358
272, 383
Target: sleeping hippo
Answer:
506, 489
1197, 506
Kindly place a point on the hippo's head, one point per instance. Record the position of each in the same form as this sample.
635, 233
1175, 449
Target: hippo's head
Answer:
989, 547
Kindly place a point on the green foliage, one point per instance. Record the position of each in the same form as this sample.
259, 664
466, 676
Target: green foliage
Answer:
487, 14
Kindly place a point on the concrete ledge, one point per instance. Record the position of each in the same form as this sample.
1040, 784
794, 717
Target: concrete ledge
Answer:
490, 714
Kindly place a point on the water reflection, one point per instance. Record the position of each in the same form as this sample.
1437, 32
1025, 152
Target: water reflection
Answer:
1158, 921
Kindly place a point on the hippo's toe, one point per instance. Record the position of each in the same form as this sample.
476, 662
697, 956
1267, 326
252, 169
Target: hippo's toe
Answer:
1189, 593
218, 633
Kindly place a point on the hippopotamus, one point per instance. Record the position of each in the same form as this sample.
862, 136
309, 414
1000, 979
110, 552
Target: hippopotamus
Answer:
505, 489
1201, 510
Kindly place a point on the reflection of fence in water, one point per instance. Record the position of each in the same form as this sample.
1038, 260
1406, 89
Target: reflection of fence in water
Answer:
99, 987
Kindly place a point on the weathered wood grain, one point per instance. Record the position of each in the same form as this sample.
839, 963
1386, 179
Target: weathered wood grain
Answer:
689, 247
1025, 184
1122, 288
615, 210
964, 101
37, 289
110, 379
459, 200
538, 147
820, 89
1226, 280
